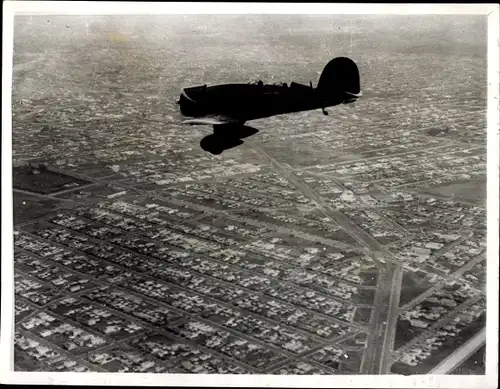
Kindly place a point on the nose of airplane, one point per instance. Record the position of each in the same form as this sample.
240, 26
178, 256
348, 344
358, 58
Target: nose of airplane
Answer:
187, 103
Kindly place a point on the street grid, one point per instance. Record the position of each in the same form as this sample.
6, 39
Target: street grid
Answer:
288, 255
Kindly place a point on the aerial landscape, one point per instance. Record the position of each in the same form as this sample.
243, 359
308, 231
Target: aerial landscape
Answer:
353, 243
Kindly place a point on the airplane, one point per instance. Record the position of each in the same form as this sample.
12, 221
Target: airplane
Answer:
227, 107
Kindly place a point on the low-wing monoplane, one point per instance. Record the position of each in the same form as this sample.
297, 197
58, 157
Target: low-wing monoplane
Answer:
227, 107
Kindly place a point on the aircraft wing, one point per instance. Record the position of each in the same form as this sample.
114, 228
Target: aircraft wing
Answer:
210, 121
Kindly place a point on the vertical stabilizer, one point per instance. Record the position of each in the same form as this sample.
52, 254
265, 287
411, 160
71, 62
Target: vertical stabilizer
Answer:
340, 75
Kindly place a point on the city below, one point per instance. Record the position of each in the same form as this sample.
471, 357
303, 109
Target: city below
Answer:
347, 244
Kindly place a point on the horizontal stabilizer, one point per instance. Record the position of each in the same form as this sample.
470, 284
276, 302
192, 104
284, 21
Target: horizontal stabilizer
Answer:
340, 75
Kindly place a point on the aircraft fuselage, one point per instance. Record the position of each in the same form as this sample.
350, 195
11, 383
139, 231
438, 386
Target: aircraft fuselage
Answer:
245, 102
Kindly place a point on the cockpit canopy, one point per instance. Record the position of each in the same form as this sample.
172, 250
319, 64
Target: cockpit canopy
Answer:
275, 85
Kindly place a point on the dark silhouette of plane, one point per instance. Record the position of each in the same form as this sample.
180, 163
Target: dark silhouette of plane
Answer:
227, 107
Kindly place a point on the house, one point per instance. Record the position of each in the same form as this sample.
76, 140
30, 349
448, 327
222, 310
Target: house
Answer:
45, 333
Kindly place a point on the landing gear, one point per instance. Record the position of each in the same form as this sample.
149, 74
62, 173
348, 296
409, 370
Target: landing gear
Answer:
226, 136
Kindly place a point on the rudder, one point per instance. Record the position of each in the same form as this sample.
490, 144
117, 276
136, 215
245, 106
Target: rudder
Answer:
340, 75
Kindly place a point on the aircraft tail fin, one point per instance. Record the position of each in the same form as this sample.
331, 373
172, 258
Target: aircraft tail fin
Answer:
340, 76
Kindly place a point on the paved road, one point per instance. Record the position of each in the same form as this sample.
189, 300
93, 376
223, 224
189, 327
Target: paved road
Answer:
369, 362
384, 318
461, 354
387, 345
41, 195
339, 218
378, 356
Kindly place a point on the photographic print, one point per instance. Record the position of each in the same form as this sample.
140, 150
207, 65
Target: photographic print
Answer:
250, 194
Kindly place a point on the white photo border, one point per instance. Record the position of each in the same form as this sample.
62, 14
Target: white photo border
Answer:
8, 376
